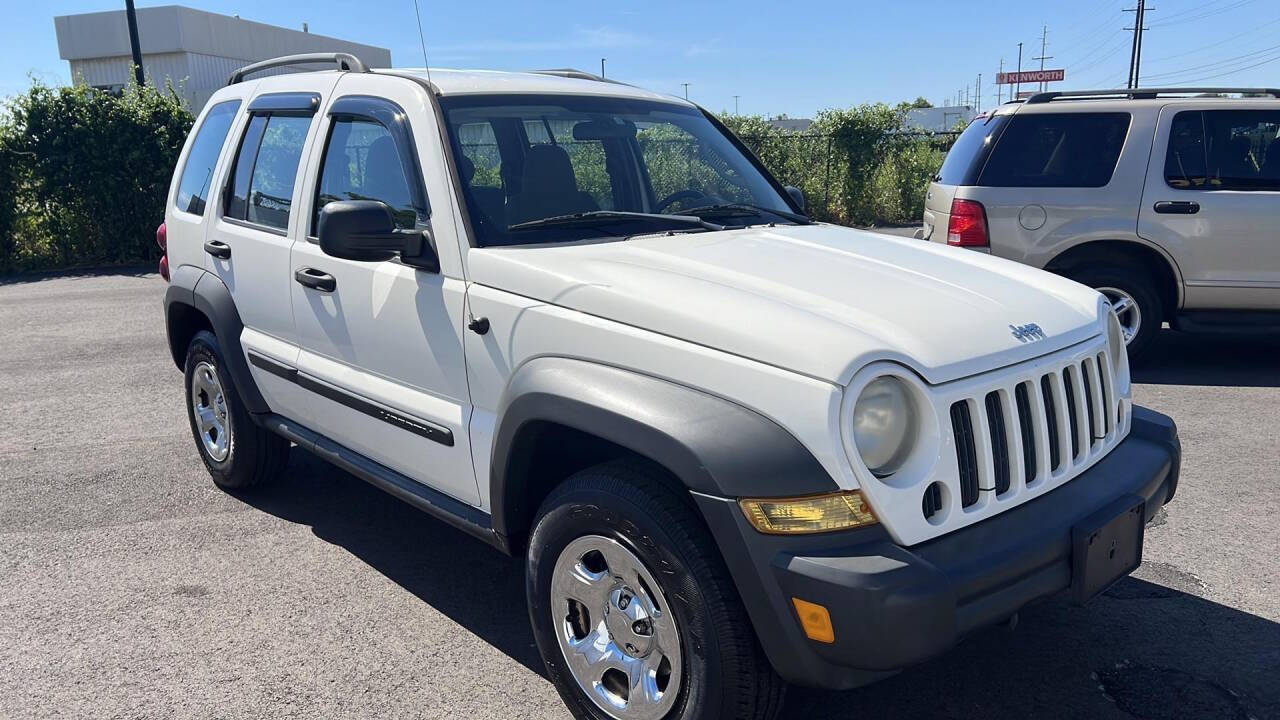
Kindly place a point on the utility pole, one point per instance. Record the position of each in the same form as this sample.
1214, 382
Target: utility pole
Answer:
1139, 27
978, 93
1044, 43
1000, 86
1017, 88
601, 68
133, 43
686, 90
735, 105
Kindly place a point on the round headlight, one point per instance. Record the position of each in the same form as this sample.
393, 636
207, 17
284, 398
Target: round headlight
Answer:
884, 424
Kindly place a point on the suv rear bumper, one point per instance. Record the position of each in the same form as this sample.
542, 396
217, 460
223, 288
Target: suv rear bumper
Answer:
891, 606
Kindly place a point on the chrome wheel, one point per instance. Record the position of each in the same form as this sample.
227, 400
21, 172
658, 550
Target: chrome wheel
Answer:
209, 408
1127, 311
616, 631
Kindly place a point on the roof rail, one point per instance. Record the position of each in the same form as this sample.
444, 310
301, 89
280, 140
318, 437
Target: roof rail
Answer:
1144, 93
577, 75
344, 61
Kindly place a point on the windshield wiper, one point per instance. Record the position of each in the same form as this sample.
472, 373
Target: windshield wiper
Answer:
728, 209
600, 216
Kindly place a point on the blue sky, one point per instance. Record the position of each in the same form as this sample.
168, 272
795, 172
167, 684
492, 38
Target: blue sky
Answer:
792, 58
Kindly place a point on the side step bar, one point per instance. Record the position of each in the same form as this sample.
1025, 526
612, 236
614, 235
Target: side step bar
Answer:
470, 520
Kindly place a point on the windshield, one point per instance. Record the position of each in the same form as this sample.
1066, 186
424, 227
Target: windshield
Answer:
599, 167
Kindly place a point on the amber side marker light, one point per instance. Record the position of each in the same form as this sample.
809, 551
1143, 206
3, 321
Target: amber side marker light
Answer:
815, 620
810, 514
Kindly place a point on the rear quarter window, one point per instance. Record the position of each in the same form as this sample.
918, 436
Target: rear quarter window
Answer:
197, 174
1057, 150
965, 159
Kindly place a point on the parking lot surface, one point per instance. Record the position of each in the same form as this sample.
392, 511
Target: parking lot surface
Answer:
131, 587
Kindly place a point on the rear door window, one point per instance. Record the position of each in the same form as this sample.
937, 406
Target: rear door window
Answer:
266, 170
193, 188
1224, 150
1057, 150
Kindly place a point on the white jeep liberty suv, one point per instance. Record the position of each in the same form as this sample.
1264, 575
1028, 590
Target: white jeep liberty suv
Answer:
580, 322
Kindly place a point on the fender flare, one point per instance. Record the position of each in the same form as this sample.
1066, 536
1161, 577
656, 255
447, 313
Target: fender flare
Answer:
193, 288
712, 445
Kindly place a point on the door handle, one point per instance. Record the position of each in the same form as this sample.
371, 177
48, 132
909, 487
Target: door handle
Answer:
315, 279
1177, 207
218, 249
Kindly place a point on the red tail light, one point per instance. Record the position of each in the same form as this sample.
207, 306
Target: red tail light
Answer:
968, 225
162, 239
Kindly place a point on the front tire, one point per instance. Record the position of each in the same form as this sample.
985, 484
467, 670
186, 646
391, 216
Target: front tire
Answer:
633, 609
236, 451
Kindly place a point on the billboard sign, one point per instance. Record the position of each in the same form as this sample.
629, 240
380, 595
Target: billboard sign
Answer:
1030, 76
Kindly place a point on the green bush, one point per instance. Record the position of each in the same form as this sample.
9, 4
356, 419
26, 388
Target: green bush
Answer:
86, 174
855, 166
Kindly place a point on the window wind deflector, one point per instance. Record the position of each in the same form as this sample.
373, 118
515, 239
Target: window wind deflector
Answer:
730, 209
602, 216
302, 103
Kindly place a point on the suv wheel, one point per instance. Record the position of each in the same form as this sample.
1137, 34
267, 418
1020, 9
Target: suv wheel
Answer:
1133, 296
237, 453
633, 610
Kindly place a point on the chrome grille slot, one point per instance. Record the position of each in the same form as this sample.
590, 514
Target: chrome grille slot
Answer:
966, 452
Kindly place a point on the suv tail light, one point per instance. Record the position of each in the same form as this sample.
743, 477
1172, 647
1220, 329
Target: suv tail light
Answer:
162, 239
968, 224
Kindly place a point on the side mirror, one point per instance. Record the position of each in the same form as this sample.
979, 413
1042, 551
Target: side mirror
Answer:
365, 230
797, 196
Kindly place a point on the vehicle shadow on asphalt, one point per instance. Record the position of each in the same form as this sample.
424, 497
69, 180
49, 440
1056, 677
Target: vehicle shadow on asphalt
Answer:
1223, 359
134, 271
470, 582
1145, 649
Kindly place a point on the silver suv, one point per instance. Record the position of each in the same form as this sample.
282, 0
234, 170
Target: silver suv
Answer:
1166, 201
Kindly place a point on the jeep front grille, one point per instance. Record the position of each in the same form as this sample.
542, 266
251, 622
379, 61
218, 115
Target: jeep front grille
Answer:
1028, 431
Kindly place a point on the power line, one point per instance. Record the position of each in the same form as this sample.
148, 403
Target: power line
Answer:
1216, 44
1214, 65
1180, 18
1233, 72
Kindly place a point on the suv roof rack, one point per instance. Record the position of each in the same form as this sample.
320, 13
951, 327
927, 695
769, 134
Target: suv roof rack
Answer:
576, 75
344, 61
1144, 93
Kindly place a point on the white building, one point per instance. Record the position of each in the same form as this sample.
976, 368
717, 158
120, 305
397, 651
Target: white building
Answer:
194, 49
939, 119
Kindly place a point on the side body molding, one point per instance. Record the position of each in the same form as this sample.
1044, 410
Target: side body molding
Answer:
712, 445
194, 289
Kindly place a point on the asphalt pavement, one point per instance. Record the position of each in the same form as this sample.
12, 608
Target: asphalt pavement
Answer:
131, 587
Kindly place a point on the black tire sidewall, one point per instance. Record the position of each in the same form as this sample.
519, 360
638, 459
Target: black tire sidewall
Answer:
587, 511
204, 347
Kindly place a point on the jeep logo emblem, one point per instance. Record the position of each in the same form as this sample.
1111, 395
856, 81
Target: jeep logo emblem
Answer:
1028, 332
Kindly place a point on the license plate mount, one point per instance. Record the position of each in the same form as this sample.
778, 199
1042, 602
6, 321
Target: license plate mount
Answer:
1106, 547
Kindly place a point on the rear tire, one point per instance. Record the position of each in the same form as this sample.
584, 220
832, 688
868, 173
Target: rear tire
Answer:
655, 550
1120, 284
236, 451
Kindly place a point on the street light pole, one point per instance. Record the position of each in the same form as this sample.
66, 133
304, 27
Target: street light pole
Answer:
602, 68
686, 90
134, 46
735, 105
1017, 87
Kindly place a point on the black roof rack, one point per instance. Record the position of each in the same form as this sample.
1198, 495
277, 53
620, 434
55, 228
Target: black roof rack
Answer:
344, 61
1144, 93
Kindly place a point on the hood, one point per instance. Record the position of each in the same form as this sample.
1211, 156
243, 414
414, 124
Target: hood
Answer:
821, 300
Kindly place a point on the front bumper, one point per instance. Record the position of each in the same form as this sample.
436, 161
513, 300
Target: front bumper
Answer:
891, 606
